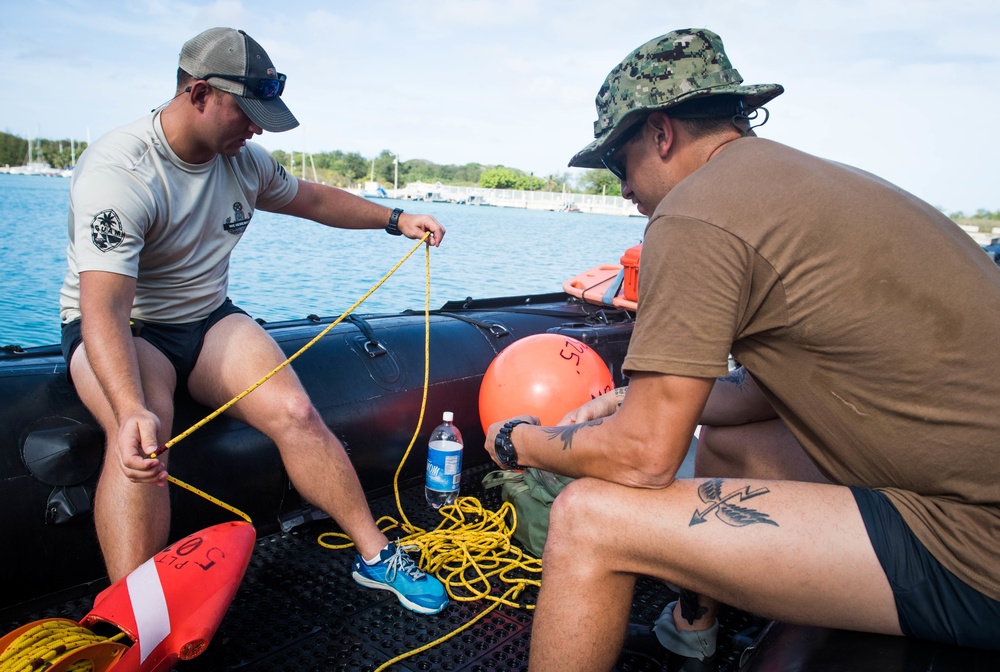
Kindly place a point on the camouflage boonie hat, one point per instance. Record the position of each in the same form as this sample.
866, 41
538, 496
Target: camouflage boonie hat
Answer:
668, 70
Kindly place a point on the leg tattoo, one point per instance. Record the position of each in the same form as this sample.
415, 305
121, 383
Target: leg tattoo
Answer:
729, 513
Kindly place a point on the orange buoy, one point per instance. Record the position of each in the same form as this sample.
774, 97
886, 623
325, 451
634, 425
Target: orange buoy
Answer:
545, 375
172, 604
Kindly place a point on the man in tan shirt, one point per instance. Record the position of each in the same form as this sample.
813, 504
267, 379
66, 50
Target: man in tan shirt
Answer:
847, 473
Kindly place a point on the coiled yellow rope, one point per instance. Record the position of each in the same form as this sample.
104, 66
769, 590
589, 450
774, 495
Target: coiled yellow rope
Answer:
469, 547
61, 644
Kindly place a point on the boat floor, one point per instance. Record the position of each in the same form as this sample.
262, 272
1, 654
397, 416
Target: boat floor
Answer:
299, 609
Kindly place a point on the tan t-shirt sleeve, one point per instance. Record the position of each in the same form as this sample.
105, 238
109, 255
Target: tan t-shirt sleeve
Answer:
699, 287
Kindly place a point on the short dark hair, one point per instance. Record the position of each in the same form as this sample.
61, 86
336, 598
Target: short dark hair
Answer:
710, 114
184, 78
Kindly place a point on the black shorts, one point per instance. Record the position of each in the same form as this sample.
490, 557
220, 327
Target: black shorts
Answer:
932, 603
179, 343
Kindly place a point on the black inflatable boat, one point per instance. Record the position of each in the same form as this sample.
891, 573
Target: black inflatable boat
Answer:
297, 608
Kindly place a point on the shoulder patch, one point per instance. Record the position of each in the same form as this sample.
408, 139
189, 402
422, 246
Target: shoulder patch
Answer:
106, 232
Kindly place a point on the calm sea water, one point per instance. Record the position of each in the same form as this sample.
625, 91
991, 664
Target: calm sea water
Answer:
287, 268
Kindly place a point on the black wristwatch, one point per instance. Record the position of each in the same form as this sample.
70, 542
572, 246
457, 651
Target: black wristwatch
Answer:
504, 447
392, 228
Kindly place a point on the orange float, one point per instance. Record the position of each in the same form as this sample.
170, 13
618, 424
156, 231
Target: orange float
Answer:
611, 285
170, 607
545, 375
598, 285
172, 604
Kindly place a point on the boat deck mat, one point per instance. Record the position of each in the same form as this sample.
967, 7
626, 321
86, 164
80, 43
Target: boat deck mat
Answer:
299, 609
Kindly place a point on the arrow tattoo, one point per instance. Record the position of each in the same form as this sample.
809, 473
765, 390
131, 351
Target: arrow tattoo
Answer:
710, 492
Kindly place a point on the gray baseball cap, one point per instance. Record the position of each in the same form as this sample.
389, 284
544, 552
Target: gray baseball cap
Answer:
232, 61
679, 66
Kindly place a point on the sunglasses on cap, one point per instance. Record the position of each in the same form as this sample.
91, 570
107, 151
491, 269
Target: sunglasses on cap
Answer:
265, 88
612, 158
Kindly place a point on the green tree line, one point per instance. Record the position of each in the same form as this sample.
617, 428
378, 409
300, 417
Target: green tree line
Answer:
979, 214
56, 153
348, 169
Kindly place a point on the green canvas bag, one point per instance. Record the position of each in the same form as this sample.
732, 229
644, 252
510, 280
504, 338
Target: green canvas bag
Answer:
531, 492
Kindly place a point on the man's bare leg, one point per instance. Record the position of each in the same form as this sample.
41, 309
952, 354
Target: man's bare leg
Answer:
757, 450
237, 352
132, 519
806, 558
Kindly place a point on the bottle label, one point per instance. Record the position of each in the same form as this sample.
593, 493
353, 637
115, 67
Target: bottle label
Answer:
444, 466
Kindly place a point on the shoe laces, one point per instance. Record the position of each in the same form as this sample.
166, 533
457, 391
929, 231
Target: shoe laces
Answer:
401, 562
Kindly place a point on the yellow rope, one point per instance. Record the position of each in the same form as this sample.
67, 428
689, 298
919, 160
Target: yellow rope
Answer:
202, 493
219, 411
49, 642
471, 546
431, 645
423, 397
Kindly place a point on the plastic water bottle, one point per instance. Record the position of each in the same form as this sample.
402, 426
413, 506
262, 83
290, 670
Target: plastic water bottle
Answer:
444, 463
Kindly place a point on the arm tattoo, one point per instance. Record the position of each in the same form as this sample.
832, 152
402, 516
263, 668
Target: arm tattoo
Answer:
738, 377
721, 505
567, 432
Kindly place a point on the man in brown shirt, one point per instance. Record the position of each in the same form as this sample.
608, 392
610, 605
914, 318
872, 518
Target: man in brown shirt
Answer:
848, 471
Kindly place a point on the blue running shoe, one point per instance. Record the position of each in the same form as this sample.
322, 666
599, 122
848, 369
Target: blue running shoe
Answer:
395, 571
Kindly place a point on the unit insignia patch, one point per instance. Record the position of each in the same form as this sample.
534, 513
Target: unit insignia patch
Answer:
237, 224
106, 231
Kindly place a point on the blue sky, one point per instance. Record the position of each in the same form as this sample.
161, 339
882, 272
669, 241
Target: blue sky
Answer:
906, 89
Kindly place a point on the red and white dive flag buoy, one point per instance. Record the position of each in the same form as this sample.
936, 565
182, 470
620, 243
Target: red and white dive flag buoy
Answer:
170, 607
173, 603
